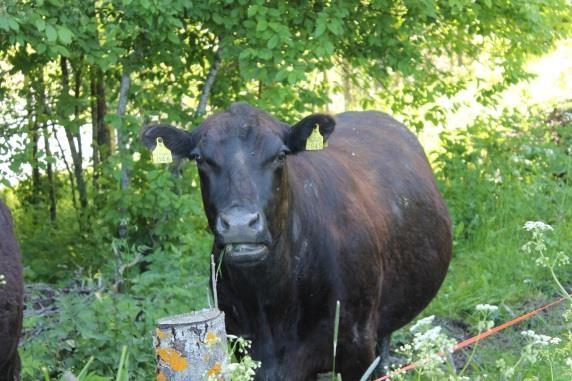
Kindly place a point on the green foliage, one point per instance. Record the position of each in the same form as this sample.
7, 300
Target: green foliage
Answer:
112, 308
494, 175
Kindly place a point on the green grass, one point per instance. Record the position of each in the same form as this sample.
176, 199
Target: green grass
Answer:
495, 176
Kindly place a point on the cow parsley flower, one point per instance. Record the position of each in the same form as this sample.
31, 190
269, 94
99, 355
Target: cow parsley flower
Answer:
428, 336
489, 308
421, 324
536, 225
539, 339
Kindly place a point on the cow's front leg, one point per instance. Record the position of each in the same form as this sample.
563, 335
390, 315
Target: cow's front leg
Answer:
354, 360
297, 361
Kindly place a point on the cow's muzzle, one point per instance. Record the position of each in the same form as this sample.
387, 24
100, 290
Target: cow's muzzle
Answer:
243, 235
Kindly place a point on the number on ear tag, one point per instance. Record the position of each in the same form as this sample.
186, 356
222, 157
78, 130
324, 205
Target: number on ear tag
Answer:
161, 154
315, 141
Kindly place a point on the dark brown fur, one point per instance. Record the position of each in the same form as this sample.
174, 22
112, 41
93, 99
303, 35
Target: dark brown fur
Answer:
361, 222
11, 299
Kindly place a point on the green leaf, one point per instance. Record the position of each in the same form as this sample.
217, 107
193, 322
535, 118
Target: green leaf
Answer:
265, 54
335, 26
329, 47
61, 50
252, 10
245, 53
4, 23
173, 38
273, 42
281, 75
40, 25
261, 25
217, 19
249, 23
65, 35
13, 24
293, 77
51, 33
320, 28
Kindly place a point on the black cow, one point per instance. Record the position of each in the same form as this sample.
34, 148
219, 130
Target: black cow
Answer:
360, 221
11, 298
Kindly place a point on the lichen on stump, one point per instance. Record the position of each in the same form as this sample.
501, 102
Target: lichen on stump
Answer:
191, 347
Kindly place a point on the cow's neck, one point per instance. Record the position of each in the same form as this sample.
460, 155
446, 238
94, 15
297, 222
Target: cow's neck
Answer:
263, 285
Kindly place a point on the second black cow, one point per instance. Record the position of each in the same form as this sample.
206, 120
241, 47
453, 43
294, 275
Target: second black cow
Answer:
11, 298
360, 221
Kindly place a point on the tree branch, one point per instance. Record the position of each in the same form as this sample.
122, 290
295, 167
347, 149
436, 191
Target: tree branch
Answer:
213, 71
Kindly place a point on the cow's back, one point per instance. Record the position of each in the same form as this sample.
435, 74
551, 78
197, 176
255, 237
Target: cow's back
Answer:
11, 298
376, 195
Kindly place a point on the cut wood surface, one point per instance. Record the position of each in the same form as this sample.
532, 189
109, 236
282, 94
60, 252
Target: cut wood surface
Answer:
191, 347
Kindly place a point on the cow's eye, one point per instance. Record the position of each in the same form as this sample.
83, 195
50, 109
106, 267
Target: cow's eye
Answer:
280, 158
198, 158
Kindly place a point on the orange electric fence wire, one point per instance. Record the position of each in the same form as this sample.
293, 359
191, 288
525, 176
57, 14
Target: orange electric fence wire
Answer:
476, 338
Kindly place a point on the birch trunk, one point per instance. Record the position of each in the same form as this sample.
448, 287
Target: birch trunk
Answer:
191, 347
213, 71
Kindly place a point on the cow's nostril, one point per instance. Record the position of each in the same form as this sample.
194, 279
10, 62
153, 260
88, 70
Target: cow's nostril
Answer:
254, 220
224, 222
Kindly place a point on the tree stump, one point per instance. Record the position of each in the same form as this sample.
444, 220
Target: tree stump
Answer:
191, 347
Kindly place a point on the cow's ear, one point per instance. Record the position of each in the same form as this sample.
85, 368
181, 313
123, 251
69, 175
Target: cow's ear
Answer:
300, 132
179, 142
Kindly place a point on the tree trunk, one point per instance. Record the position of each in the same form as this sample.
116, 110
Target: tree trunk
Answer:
191, 347
33, 134
102, 139
70, 173
50, 173
94, 126
42, 107
75, 152
213, 71
348, 88
36, 179
121, 143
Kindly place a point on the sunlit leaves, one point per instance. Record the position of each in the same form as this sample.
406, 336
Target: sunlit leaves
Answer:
8, 23
64, 35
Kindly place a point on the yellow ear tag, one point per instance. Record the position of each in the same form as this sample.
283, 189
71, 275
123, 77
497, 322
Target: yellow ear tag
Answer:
161, 154
315, 141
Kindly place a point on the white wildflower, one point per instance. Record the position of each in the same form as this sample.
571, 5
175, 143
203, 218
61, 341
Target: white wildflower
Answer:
485, 325
489, 308
561, 259
568, 362
496, 178
539, 339
430, 336
536, 225
422, 323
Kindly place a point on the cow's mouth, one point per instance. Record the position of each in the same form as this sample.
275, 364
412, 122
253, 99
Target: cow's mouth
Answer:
245, 253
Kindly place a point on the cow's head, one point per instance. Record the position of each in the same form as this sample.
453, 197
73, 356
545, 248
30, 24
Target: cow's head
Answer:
241, 154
